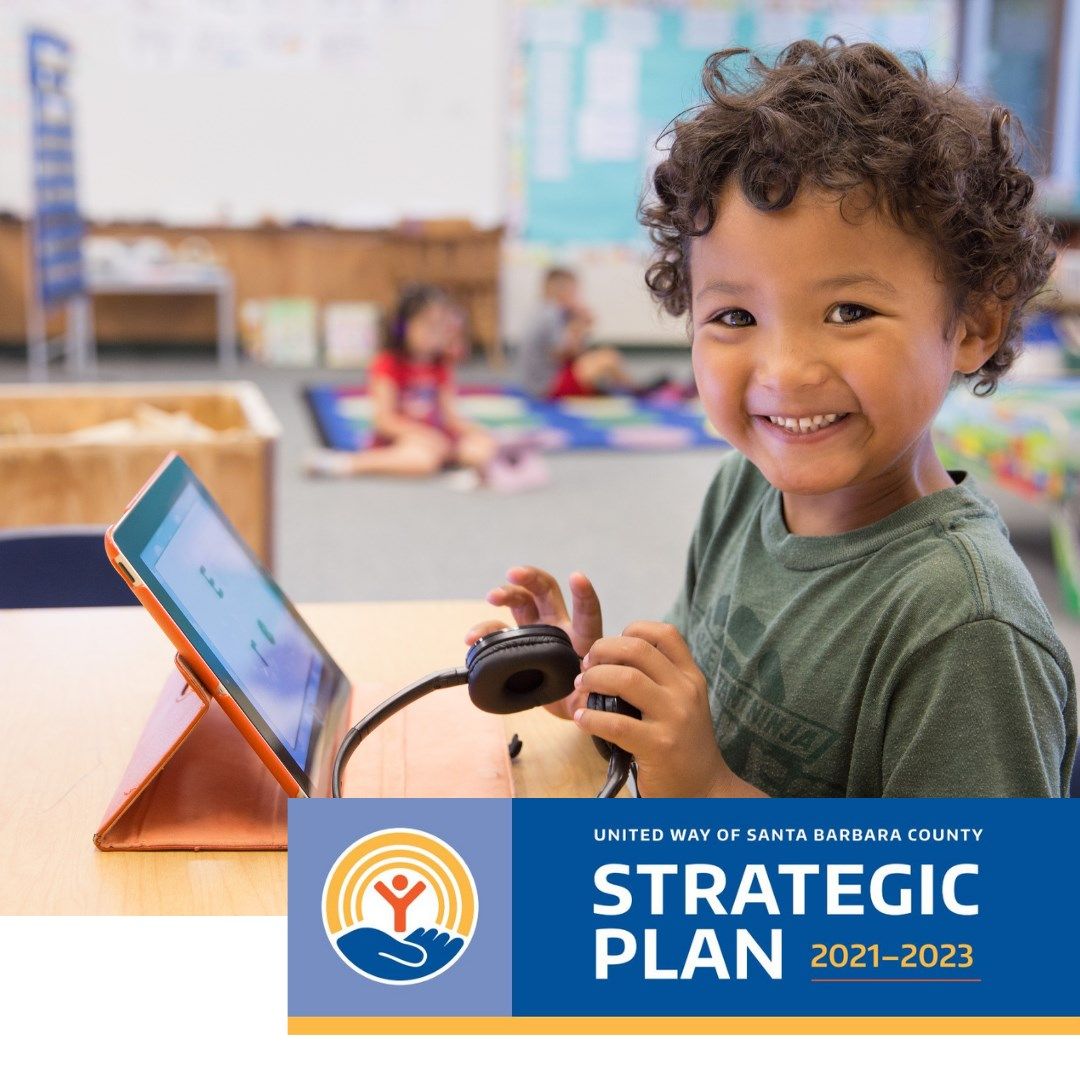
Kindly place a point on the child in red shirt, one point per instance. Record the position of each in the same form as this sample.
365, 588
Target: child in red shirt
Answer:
417, 426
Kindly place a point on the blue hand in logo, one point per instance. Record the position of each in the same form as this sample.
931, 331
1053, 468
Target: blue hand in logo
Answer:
379, 954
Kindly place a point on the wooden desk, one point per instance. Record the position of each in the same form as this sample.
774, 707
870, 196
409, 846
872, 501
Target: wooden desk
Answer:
75, 689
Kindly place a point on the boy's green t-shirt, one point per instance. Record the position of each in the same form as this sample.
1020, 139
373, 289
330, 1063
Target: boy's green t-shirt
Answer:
913, 657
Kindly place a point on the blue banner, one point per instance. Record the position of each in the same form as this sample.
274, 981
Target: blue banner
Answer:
629, 908
57, 227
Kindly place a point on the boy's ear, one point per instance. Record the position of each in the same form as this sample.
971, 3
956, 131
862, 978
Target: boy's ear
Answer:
980, 329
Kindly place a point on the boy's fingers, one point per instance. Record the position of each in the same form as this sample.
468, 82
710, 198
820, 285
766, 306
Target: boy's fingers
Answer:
586, 619
481, 629
520, 602
632, 735
545, 592
628, 683
632, 652
666, 638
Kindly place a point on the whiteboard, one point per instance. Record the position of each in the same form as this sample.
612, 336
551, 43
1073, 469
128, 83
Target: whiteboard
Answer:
353, 112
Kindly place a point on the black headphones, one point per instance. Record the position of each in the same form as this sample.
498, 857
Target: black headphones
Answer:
513, 670
507, 671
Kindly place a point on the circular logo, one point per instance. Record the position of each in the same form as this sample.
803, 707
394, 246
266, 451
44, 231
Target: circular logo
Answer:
399, 906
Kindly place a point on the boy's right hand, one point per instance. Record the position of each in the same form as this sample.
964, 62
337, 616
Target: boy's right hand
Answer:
533, 596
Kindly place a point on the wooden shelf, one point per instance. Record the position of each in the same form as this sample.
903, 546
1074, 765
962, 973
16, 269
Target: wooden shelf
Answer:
325, 264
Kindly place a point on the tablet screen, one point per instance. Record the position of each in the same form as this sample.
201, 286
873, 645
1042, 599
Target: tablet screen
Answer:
211, 578
234, 614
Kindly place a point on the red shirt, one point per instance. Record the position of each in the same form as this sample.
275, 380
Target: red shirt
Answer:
418, 383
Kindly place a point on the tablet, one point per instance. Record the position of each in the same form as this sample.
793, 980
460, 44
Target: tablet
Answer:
233, 626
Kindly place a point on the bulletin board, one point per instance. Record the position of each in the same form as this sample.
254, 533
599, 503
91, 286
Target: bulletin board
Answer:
599, 83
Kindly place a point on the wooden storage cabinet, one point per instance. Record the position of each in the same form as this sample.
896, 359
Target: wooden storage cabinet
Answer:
322, 263
46, 479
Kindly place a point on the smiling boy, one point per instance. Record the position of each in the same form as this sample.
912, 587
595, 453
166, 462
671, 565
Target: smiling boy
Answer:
848, 240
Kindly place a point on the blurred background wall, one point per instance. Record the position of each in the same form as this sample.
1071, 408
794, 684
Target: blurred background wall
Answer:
541, 117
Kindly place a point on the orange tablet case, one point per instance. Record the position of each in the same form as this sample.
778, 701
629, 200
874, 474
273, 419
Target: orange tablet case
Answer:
203, 778
195, 784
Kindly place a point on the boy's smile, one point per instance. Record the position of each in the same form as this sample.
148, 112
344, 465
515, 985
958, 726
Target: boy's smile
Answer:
820, 352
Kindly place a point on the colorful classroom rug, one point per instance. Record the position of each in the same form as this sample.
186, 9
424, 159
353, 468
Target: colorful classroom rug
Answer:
1026, 438
343, 417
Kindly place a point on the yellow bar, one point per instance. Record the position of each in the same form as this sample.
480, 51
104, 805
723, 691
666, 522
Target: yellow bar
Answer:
684, 1025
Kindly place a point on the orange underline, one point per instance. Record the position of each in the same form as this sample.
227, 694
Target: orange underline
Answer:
897, 980
671, 1025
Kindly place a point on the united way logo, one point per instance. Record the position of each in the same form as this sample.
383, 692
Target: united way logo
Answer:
399, 906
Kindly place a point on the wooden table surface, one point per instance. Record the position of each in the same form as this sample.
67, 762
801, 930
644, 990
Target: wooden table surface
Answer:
76, 687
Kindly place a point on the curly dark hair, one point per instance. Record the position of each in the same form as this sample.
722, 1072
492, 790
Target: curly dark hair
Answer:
845, 118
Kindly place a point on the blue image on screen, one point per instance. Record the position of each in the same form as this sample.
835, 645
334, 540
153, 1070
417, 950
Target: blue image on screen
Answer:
233, 606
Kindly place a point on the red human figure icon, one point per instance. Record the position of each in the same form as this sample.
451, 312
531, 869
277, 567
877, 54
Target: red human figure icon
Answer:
400, 903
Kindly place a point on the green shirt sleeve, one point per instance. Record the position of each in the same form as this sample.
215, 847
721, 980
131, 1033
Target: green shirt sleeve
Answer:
979, 711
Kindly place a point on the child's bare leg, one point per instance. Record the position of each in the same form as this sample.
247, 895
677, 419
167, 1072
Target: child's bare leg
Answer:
475, 450
414, 454
600, 368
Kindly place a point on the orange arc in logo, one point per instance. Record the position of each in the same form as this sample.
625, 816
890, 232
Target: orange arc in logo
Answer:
421, 852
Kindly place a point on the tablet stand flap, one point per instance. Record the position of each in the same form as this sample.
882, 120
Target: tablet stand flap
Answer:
193, 782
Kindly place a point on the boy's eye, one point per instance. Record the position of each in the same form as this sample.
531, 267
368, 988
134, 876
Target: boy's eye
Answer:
734, 317
844, 314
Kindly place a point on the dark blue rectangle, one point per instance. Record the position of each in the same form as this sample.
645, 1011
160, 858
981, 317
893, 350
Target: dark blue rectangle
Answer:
1017, 956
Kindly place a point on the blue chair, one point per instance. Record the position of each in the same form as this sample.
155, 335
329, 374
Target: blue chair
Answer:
58, 566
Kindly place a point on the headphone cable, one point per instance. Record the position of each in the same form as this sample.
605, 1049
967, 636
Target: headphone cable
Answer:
440, 680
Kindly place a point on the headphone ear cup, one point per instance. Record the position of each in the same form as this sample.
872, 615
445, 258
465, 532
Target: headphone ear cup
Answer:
514, 670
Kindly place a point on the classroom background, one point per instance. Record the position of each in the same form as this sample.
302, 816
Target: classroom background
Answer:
208, 208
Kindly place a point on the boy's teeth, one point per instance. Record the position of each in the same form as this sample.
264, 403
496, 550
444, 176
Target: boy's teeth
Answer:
801, 424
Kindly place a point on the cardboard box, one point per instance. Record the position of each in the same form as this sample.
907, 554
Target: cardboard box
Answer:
52, 474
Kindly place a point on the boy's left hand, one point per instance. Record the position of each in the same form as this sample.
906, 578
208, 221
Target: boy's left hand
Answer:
651, 667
